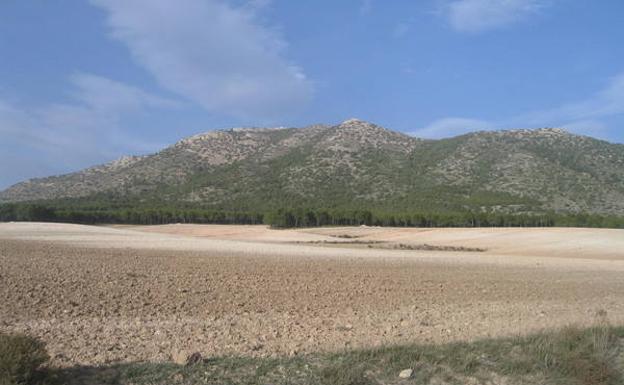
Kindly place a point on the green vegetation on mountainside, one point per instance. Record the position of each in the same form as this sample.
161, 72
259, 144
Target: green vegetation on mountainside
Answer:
353, 166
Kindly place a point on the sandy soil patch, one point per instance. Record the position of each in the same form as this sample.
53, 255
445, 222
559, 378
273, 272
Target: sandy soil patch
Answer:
543, 242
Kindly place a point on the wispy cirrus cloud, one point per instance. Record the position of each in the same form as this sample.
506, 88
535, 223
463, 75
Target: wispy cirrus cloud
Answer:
608, 101
586, 116
482, 15
86, 130
102, 94
451, 126
212, 53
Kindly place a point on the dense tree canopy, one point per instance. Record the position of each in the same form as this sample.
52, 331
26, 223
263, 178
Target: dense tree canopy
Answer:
299, 217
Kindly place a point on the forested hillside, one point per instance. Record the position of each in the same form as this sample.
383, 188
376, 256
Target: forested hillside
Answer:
351, 167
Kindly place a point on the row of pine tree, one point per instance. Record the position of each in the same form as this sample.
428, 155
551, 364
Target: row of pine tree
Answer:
291, 218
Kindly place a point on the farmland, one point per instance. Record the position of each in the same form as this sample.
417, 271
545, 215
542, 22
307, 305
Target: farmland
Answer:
99, 295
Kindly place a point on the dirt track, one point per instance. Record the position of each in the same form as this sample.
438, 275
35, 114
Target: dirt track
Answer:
98, 294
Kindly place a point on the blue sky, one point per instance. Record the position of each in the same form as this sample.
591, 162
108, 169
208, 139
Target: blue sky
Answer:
85, 82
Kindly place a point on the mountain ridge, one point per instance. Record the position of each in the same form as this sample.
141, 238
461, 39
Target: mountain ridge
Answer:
357, 164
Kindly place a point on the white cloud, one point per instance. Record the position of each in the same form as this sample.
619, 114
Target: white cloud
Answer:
107, 95
584, 116
212, 53
66, 136
606, 102
452, 126
483, 15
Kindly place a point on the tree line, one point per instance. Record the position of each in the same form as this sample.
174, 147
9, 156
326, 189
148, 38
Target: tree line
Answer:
136, 216
293, 218
288, 218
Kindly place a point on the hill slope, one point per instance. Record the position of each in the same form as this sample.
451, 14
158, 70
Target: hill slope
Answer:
357, 164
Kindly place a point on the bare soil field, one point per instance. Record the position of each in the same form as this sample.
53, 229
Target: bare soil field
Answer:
134, 293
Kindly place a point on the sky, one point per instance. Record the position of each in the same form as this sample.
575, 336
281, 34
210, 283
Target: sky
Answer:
85, 82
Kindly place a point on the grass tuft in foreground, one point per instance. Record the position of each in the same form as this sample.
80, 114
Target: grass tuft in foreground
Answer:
20, 359
571, 356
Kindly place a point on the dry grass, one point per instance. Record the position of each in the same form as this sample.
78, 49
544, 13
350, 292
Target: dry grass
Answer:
393, 246
571, 356
21, 357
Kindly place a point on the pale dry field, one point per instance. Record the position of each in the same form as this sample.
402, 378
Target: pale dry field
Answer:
135, 293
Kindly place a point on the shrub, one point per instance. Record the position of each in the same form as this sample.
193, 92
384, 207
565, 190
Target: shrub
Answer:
20, 358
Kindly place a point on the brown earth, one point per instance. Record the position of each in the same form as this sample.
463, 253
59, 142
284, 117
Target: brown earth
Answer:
103, 294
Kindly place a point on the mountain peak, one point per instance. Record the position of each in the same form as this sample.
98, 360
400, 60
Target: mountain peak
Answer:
351, 121
553, 130
360, 126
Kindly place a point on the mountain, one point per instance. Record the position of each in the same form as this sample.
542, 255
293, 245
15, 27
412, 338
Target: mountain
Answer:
356, 164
